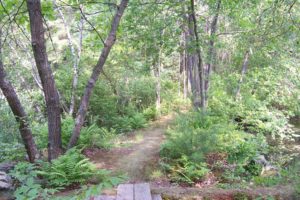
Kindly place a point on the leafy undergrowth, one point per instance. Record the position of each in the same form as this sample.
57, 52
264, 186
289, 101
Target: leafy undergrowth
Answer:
71, 170
233, 144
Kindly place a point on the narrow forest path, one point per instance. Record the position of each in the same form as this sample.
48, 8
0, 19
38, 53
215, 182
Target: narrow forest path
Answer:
137, 154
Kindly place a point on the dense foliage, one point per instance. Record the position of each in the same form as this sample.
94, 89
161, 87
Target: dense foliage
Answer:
230, 69
232, 135
43, 180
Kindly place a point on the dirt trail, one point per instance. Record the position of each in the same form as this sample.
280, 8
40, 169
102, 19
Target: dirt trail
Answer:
138, 154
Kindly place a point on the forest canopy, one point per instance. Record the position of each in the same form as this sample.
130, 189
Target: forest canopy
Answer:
81, 75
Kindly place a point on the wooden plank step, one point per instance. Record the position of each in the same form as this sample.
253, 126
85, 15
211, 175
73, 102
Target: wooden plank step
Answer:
156, 197
142, 191
125, 192
103, 197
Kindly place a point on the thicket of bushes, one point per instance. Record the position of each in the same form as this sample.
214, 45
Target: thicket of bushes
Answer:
227, 139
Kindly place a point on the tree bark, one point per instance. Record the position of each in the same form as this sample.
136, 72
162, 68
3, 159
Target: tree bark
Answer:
244, 70
46, 76
188, 60
18, 111
183, 67
109, 42
157, 69
211, 51
191, 60
199, 66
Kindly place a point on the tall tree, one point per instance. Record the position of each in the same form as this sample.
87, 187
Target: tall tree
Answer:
182, 63
46, 76
109, 42
18, 111
211, 50
194, 59
198, 50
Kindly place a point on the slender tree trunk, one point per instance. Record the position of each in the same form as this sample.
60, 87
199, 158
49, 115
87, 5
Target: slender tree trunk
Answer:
185, 82
188, 76
109, 42
46, 76
157, 69
211, 51
200, 85
76, 57
183, 66
244, 70
182, 71
18, 111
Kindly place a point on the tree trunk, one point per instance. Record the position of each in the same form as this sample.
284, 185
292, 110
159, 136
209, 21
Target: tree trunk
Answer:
211, 51
18, 111
96, 72
188, 34
185, 82
244, 70
157, 69
188, 75
46, 76
76, 57
183, 67
198, 59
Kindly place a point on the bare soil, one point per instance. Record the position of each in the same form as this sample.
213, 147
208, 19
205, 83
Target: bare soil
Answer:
138, 154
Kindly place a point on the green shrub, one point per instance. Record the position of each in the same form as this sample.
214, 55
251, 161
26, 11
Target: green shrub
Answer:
292, 175
67, 126
70, 168
9, 132
27, 183
186, 171
267, 181
249, 149
150, 113
122, 124
12, 151
260, 119
138, 121
195, 135
94, 136
40, 131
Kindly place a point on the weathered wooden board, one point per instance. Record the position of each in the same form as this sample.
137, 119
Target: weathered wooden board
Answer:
142, 191
139, 191
156, 197
103, 197
125, 192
